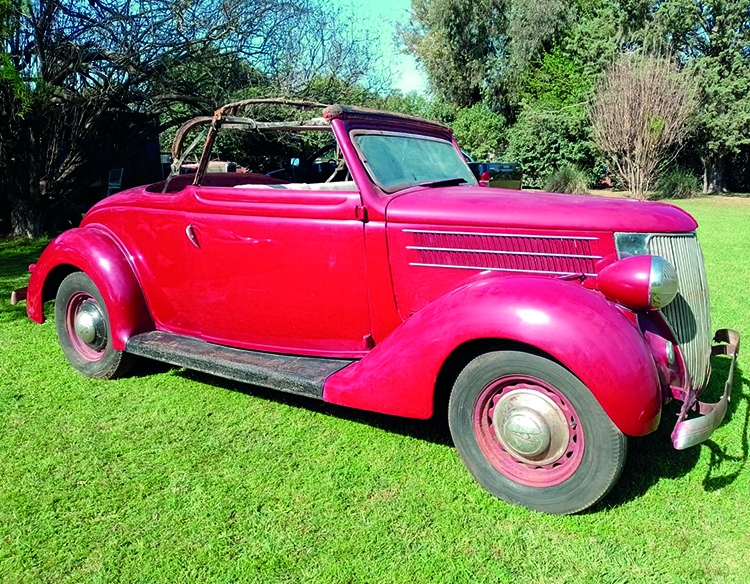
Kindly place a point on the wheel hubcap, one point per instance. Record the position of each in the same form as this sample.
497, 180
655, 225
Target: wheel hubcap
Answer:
89, 324
528, 430
87, 328
530, 426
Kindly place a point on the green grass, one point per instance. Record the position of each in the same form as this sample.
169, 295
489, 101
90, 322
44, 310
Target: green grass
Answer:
171, 476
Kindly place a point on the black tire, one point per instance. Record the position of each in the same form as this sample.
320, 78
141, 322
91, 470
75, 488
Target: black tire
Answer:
494, 412
93, 355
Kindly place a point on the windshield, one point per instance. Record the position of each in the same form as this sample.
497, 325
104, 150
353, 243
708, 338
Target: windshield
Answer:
397, 161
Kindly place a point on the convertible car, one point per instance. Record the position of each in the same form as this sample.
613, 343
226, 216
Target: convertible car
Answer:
547, 328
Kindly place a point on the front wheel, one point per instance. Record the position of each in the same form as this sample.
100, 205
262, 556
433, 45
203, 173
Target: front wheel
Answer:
532, 434
82, 324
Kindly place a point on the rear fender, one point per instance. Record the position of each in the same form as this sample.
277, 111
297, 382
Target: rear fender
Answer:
577, 327
97, 255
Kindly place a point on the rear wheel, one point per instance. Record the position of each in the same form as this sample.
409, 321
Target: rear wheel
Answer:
83, 330
532, 434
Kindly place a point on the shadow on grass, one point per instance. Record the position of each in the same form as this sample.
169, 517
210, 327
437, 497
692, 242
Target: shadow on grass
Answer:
16, 255
652, 458
434, 430
724, 468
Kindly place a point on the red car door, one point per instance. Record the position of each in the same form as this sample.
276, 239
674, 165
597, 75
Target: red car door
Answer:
280, 269
153, 233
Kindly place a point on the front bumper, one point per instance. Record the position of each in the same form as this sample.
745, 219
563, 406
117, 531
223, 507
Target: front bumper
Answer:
689, 432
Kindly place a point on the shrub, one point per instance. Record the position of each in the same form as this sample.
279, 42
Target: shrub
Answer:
544, 138
480, 131
677, 183
567, 179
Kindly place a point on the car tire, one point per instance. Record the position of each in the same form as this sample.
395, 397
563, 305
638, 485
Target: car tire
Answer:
83, 329
532, 434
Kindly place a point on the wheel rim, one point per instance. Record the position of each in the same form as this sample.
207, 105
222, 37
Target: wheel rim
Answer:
86, 326
529, 431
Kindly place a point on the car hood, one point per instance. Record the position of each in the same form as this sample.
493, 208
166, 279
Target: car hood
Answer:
485, 207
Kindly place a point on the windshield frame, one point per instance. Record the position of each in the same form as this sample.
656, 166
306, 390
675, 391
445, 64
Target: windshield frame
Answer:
414, 135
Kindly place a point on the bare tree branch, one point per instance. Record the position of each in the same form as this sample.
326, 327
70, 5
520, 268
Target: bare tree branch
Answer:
640, 115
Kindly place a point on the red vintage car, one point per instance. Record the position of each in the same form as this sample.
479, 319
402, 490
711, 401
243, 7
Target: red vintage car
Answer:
553, 325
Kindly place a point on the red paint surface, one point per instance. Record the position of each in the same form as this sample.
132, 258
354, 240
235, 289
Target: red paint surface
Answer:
576, 326
95, 253
479, 207
627, 282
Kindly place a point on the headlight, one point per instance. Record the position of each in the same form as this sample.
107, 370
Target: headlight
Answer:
663, 283
639, 282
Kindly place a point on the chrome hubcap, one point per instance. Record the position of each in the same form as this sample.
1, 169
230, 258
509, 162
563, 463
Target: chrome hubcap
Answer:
531, 426
89, 325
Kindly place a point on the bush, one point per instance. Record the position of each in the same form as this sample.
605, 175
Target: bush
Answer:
677, 183
544, 138
569, 180
480, 131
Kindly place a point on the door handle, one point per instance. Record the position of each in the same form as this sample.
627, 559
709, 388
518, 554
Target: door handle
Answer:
191, 235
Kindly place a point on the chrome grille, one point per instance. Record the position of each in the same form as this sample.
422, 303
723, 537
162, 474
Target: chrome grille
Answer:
689, 313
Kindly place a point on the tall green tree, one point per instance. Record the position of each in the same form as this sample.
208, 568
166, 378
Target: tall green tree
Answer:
478, 50
712, 40
455, 41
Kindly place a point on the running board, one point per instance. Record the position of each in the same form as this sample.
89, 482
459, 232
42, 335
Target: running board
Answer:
300, 375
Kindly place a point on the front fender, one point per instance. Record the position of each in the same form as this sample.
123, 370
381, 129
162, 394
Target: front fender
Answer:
97, 255
576, 326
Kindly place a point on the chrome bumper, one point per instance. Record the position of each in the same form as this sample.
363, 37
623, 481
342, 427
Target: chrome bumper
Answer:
18, 295
690, 432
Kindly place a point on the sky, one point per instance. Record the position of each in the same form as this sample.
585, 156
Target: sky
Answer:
382, 16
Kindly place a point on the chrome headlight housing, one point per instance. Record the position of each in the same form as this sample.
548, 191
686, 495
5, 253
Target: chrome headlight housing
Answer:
663, 282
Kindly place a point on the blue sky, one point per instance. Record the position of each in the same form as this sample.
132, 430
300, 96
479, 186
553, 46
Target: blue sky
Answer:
382, 16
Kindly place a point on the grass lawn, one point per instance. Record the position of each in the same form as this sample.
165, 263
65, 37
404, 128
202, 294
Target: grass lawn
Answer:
172, 476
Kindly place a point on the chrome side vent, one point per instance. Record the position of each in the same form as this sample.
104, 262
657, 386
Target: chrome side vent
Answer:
538, 254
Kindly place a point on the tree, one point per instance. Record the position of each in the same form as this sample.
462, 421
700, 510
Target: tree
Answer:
104, 76
712, 39
484, 50
480, 131
639, 115
456, 40
548, 137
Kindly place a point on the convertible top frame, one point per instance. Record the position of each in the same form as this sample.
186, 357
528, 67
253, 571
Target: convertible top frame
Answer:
227, 116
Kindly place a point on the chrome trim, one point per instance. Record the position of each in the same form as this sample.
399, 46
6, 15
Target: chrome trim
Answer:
484, 269
691, 431
526, 235
628, 244
504, 252
663, 282
689, 314
90, 326
531, 426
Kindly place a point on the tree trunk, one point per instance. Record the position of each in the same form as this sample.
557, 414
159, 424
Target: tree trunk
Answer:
27, 204
713, 174
27, 218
